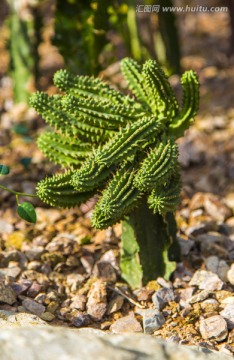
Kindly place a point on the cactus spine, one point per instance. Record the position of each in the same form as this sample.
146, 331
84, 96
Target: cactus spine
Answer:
123, 149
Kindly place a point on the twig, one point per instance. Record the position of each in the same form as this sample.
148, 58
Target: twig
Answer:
118, 291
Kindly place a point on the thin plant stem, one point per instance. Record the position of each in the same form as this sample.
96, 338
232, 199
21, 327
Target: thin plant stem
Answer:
17, 193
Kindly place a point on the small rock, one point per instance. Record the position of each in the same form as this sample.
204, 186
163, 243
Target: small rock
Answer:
210, 306
80, 319
34, 265
105, 271
7, 295
206, 280
34, 253
74, 281
47, 316
214, 328
21, 288
126, 324
79, 302
12, 319
33, 307
6, 227
217, 266
152, 320
35, 289
228, 314
216, 209
87, 262
115, 304
97, 301
201, 296
162, 297
185, 245
230, 274
11, 271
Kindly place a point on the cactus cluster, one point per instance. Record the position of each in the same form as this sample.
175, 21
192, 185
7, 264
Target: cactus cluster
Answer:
117, 146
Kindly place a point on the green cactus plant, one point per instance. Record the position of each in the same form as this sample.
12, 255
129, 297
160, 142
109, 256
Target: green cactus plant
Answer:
122, 148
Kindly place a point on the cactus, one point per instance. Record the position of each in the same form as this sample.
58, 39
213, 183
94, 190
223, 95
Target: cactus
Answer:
123, 149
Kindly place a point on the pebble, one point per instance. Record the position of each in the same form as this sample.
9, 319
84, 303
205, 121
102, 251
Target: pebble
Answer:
200, 296
33, 307
7, 295
228, 314
74, 281
105, 271
47, 316
6, 227
97, 301
162, 297
127, 324
152, 320
210, 305
21, 288
80, 319
11, 271
230, 274
214, 328
78, 302
217, 266
115, 304
206, 280
12, 319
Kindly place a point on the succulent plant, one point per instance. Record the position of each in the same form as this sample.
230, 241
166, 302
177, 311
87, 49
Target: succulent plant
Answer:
122, 148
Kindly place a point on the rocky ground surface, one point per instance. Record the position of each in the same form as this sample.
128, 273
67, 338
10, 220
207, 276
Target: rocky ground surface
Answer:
63, 272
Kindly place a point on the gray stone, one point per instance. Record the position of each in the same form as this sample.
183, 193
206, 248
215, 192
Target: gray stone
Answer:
115, 304
126, 324
7, 295
217, 266
162, 297
97, 301
13, 319
204, 294
152, 320
206, 280
47, 342
230, 274
33, 306
214, 327
228, 314
6, 227
13, 271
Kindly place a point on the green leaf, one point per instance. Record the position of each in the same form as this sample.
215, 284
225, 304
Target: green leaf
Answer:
27, 212
4, 170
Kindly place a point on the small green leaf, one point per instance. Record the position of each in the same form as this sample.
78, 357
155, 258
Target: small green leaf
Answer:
4, 170
27, 212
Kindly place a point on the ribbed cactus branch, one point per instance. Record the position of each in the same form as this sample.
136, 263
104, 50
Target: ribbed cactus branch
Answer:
160, 95
117, 200
124, 150
57, 191
63, 150
183, 120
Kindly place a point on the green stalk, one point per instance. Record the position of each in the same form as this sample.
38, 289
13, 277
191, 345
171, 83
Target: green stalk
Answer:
146, 239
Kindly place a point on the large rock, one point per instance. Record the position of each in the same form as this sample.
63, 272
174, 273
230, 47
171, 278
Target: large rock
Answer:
46, 343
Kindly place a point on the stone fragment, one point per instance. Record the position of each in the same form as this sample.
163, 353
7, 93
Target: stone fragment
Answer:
74, 281
210, 306
6, 227
162, 297
228, 314
13, 319
115, 304
216, 209
80, 319
152, 320
21, 287
185, 245
217, 266
11, 271
47, 316
214, 328
97, 301
204, 294
33, 307
126, 324
7, 295
105, 271
206, 280
230, 274
78, 302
